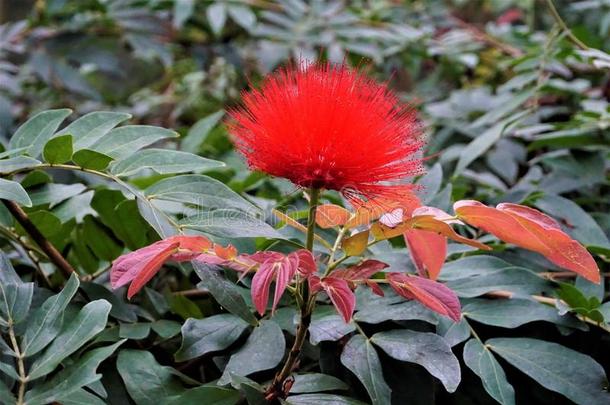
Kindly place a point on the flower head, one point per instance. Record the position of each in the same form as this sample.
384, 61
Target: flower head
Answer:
330, 127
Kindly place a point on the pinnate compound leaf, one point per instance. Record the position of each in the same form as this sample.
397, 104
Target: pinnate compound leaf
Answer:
557, 368
429, 293
13, 191
263, 350
483, 363
70, 380
428, 251
426, 349
532, 230
202, 336
45, 323
331, 215
359, 356
36, 131
90, 321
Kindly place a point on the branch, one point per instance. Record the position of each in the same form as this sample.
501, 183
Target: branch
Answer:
20, 363
564, 26
46, 246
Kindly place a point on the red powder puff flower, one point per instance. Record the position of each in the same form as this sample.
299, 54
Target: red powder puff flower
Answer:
330, 127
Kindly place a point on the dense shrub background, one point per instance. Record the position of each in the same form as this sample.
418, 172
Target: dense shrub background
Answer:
516, 107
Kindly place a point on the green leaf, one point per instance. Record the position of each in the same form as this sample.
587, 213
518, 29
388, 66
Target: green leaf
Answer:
263, 350
426, 349
317, 399
165, 328
91, 127
483, 363
453, 332
515, 279
72, 378
514, 312
134, 331
326, 324
486, 140
12, 191
17, 163
90, 321
217, 16
15, 301
147, 381
90, 159
120, 309
402, 311
243, 16
47, 223
208, 395
82, 397
54, 194
6, 396
199, 132
183, 10
45, 323
122, 216
555, 367
58, 149
36, 131
163, 161
224, 292
315, 382
103, 245
184, 307
198, 190
202, 336
125, 141
228, 223
360, 357
580, 304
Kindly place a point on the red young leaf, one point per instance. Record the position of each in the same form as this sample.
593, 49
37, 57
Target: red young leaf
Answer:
278, 268
341, 296
530, 229
428, 251
432, 294
361, 273
331, 215
190, 247
127, 267
227, 253
307, 263
371, 210
147, 270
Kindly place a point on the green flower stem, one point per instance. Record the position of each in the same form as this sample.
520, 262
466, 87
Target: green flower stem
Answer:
277, 390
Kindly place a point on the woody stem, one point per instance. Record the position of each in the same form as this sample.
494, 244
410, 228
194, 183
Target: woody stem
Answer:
276, 389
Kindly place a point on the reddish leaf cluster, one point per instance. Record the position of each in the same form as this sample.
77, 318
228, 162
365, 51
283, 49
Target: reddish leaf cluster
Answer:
530, 229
